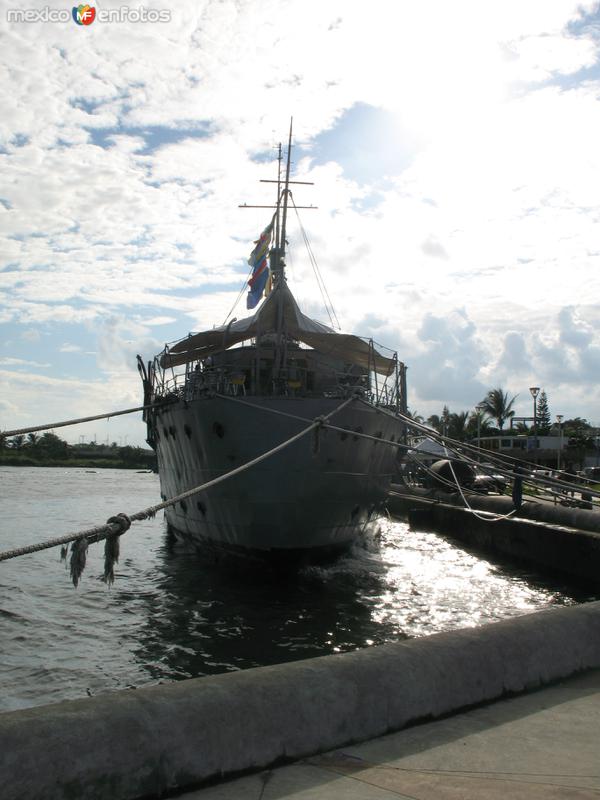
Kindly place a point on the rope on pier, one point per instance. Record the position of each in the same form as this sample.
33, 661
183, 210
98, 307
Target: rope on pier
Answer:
115, 526
50, 425
485, 517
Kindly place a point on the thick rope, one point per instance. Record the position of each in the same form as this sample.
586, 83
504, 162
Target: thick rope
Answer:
111, 528
460, 454
19, 431
562, 486
324, 423
475, 512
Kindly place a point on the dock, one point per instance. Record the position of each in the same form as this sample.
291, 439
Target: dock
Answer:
329, 714
542, 534
539, 746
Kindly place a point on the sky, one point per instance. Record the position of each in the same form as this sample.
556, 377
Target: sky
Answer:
456, 166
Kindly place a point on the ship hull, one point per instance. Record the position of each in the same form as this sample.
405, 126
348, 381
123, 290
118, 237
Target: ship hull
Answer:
318, 494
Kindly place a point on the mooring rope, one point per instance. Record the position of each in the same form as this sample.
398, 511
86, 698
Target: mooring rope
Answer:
48, 426
488, 517
325, 424
560, 485
115, 526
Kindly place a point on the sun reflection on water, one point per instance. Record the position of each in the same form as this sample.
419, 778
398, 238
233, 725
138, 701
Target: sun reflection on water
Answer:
432, 585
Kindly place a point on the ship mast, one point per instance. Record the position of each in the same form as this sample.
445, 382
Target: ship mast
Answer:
277, 253
280, 275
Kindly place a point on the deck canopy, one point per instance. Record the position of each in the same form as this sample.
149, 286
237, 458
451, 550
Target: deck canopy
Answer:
346, 347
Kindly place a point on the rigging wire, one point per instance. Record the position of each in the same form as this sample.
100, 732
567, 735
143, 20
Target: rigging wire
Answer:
239, 297
504, 464
121, 522
320, 282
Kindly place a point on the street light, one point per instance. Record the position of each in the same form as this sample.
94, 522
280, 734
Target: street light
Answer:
559, 419
480, 407
534, 393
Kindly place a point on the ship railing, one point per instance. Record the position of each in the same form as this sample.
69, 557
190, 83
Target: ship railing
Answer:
199, 379
221, 379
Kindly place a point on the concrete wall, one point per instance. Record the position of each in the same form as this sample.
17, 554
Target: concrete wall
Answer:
565, 540
140, 743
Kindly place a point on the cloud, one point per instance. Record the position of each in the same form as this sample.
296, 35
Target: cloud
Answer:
574, 331
447, 367
70, 348
466, 179
431, 247
515, 358
32, 335
20, 362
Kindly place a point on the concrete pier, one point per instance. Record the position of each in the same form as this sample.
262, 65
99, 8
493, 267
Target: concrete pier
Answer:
565, 540
543, 745
146, 742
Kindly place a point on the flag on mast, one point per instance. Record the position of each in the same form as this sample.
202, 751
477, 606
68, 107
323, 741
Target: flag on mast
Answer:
260, 267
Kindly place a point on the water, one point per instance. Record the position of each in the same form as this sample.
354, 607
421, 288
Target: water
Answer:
172, 615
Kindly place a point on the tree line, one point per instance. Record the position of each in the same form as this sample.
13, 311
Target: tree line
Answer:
495, 410
48, 449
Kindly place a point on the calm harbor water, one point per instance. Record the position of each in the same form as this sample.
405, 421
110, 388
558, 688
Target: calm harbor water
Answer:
172, 615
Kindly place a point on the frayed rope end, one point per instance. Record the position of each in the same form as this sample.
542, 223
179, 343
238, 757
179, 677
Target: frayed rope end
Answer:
112, 547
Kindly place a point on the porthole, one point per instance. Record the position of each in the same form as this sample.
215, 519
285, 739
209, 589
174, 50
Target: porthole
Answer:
219, 430
183, 505
188, 430
357, 430
201, 508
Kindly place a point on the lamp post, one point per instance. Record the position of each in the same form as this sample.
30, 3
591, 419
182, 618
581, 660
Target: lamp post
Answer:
559, 419
534, 393
479, 408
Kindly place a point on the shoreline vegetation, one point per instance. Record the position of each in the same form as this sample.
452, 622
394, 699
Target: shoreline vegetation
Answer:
50, 450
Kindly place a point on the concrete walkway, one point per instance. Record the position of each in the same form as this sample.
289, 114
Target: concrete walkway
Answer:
540, 745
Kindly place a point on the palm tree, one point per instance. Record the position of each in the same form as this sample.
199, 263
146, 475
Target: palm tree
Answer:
478, 423
434, 421
414, 415
458, 425
498, 406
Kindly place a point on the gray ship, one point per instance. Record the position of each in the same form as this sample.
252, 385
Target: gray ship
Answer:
227, 395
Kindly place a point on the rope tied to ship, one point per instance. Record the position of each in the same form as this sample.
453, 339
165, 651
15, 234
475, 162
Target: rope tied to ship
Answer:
120, 523
513, 471
115, 527
65, 423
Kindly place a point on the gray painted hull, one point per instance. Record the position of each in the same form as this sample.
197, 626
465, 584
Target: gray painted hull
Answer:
306, 497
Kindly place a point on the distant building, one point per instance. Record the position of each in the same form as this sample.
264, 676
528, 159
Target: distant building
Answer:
541, 449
